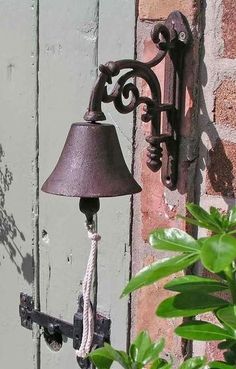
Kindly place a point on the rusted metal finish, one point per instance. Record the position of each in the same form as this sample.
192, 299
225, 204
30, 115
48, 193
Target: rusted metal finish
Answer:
91, 164
172, 94
89, 206
170, 39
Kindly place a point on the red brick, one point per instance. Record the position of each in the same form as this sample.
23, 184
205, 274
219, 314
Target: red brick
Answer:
159, 9
147, 300
229, 28
221, 175
157, 205
155, 212
225, 103
212, 351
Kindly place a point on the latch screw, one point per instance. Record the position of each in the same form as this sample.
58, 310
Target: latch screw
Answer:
182, 36
52, 328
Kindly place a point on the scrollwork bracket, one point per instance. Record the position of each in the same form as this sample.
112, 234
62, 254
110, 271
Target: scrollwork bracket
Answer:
164, 113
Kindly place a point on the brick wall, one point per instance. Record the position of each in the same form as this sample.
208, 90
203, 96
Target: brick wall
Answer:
208, 146
215, 176
157, 206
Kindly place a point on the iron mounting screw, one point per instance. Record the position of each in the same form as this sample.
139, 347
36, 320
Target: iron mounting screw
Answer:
182, 36
51, 328
23, 298
23, 312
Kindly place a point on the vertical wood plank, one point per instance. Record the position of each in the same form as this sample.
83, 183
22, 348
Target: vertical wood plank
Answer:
116, 41
18, 126
68, 64
67, 70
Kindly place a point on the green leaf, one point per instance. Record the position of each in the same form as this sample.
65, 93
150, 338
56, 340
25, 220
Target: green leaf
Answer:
228, 344
215, 221
230, 356
194, 363
201, 240
160, 364
189, 304
199, 213
191, 283
204, 217
166, 366
133, 352
218, 252
139, 346
158, 270
101, 358
192, 221
153, 351
220, 365
119, 356
143, 340
227, 315
219, 218
215, 213
232, 216
173, 239
202, 331
143, 351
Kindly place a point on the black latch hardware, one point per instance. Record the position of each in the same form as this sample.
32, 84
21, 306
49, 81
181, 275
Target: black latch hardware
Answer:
53, 325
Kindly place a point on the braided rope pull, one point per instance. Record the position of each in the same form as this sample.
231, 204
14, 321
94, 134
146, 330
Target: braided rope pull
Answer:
88, 319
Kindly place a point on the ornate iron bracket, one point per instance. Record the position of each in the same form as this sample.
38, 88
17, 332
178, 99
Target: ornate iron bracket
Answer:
55, 328
171, 39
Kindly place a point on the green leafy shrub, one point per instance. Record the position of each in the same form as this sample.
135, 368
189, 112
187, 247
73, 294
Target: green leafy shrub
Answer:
195, 294
143, 352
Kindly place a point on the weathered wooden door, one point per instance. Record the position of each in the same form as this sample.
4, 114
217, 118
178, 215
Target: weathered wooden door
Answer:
50, 50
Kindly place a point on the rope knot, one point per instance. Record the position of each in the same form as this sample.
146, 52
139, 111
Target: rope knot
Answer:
94, 236
88, 319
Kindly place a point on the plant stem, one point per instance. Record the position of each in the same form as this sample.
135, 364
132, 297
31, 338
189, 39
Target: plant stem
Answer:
231, 282
231, 232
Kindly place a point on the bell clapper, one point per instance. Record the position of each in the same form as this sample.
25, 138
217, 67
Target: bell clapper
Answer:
89, 206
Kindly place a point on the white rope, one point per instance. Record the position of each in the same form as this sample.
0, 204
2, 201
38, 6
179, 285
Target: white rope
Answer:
88, 323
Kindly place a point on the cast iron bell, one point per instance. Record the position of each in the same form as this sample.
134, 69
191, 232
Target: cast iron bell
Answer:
91, 165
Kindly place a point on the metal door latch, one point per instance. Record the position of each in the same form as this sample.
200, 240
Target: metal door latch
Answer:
53, 325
